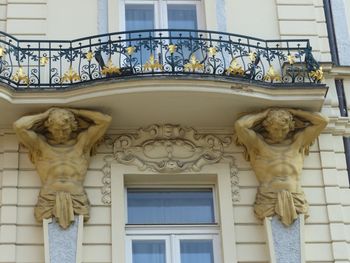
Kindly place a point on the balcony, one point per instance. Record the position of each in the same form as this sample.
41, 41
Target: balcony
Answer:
194, 78
53, 65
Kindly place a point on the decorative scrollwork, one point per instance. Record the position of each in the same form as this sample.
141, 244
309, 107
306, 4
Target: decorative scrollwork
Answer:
156, 52
169, 149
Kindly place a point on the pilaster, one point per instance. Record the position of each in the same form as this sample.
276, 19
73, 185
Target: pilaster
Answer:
8, 217
333, 163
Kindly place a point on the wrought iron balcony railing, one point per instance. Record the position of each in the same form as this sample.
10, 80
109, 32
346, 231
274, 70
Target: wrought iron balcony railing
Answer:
51, 64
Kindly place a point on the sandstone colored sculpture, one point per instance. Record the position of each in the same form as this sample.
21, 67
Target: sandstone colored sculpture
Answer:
276, 141
60, 143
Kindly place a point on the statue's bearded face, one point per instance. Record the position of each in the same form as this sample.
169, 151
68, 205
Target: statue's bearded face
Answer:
61, 124
278, 124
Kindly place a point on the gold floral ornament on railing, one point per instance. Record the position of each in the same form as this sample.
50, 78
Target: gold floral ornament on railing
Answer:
2, 52
291, 59
235, 69
152, 64
110, 69
317, 74
271, 75
44, 61
252, 56
130, 50
70, 76
172, 48
212, 51
20, 76
193, 64
89, 55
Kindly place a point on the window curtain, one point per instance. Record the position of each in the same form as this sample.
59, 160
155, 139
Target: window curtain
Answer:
170, 206
148, 251
196, 251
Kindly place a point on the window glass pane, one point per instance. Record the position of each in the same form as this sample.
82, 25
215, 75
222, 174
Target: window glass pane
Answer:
148, 251
182, 17
196, 251
139, 17
170, 206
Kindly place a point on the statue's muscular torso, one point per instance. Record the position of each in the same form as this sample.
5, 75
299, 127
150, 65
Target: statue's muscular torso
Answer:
278, 166
62, 167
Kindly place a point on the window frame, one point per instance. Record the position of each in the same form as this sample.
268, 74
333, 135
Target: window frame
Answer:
172, 242
160, 11
218, 174
174, 186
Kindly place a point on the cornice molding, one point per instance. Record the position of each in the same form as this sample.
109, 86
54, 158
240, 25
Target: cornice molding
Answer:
338, 126
169, 149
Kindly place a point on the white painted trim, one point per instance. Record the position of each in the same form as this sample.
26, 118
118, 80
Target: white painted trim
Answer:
46, 223
270, 244
79, 253
220, 173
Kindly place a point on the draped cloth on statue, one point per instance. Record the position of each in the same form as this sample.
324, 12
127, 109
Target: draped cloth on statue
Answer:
284, 204
61, 205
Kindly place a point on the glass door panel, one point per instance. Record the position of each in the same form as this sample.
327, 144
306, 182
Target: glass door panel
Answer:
196, 251
140, 17
184, 16
148, 251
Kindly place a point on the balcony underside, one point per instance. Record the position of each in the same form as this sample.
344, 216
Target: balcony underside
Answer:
202, 103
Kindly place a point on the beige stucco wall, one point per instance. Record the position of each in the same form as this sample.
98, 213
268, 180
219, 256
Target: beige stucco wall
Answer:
254, 18
265, 19
324, 177
324, 180
68, 19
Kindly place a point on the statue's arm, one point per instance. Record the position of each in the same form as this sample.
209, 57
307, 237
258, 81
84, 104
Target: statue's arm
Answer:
244, 125
23, 128
318, 123
97, 129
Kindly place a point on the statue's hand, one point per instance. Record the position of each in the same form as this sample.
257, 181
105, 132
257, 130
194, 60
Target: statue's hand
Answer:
294, 111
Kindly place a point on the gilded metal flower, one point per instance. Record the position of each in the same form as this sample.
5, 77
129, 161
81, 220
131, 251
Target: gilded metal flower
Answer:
152, 64
89, 55
20, 76
193, 64
44, 61
235, 68
252, 56
2, 52
130, 50
317, 74
110, 69
70, 75
172, 48
271, 75
212, 51
291, 59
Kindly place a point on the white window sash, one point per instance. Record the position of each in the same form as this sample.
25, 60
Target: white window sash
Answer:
172, 243
161, 14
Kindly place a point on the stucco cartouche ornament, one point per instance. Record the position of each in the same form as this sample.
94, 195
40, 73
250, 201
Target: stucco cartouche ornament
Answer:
276, 141
170, 149
60, 143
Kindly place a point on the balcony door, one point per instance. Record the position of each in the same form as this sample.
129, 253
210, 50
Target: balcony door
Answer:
147, 15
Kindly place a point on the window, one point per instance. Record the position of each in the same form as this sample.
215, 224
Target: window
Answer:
159, 14
162, 14
171, 225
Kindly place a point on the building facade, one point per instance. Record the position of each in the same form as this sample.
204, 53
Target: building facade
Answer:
175, 75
